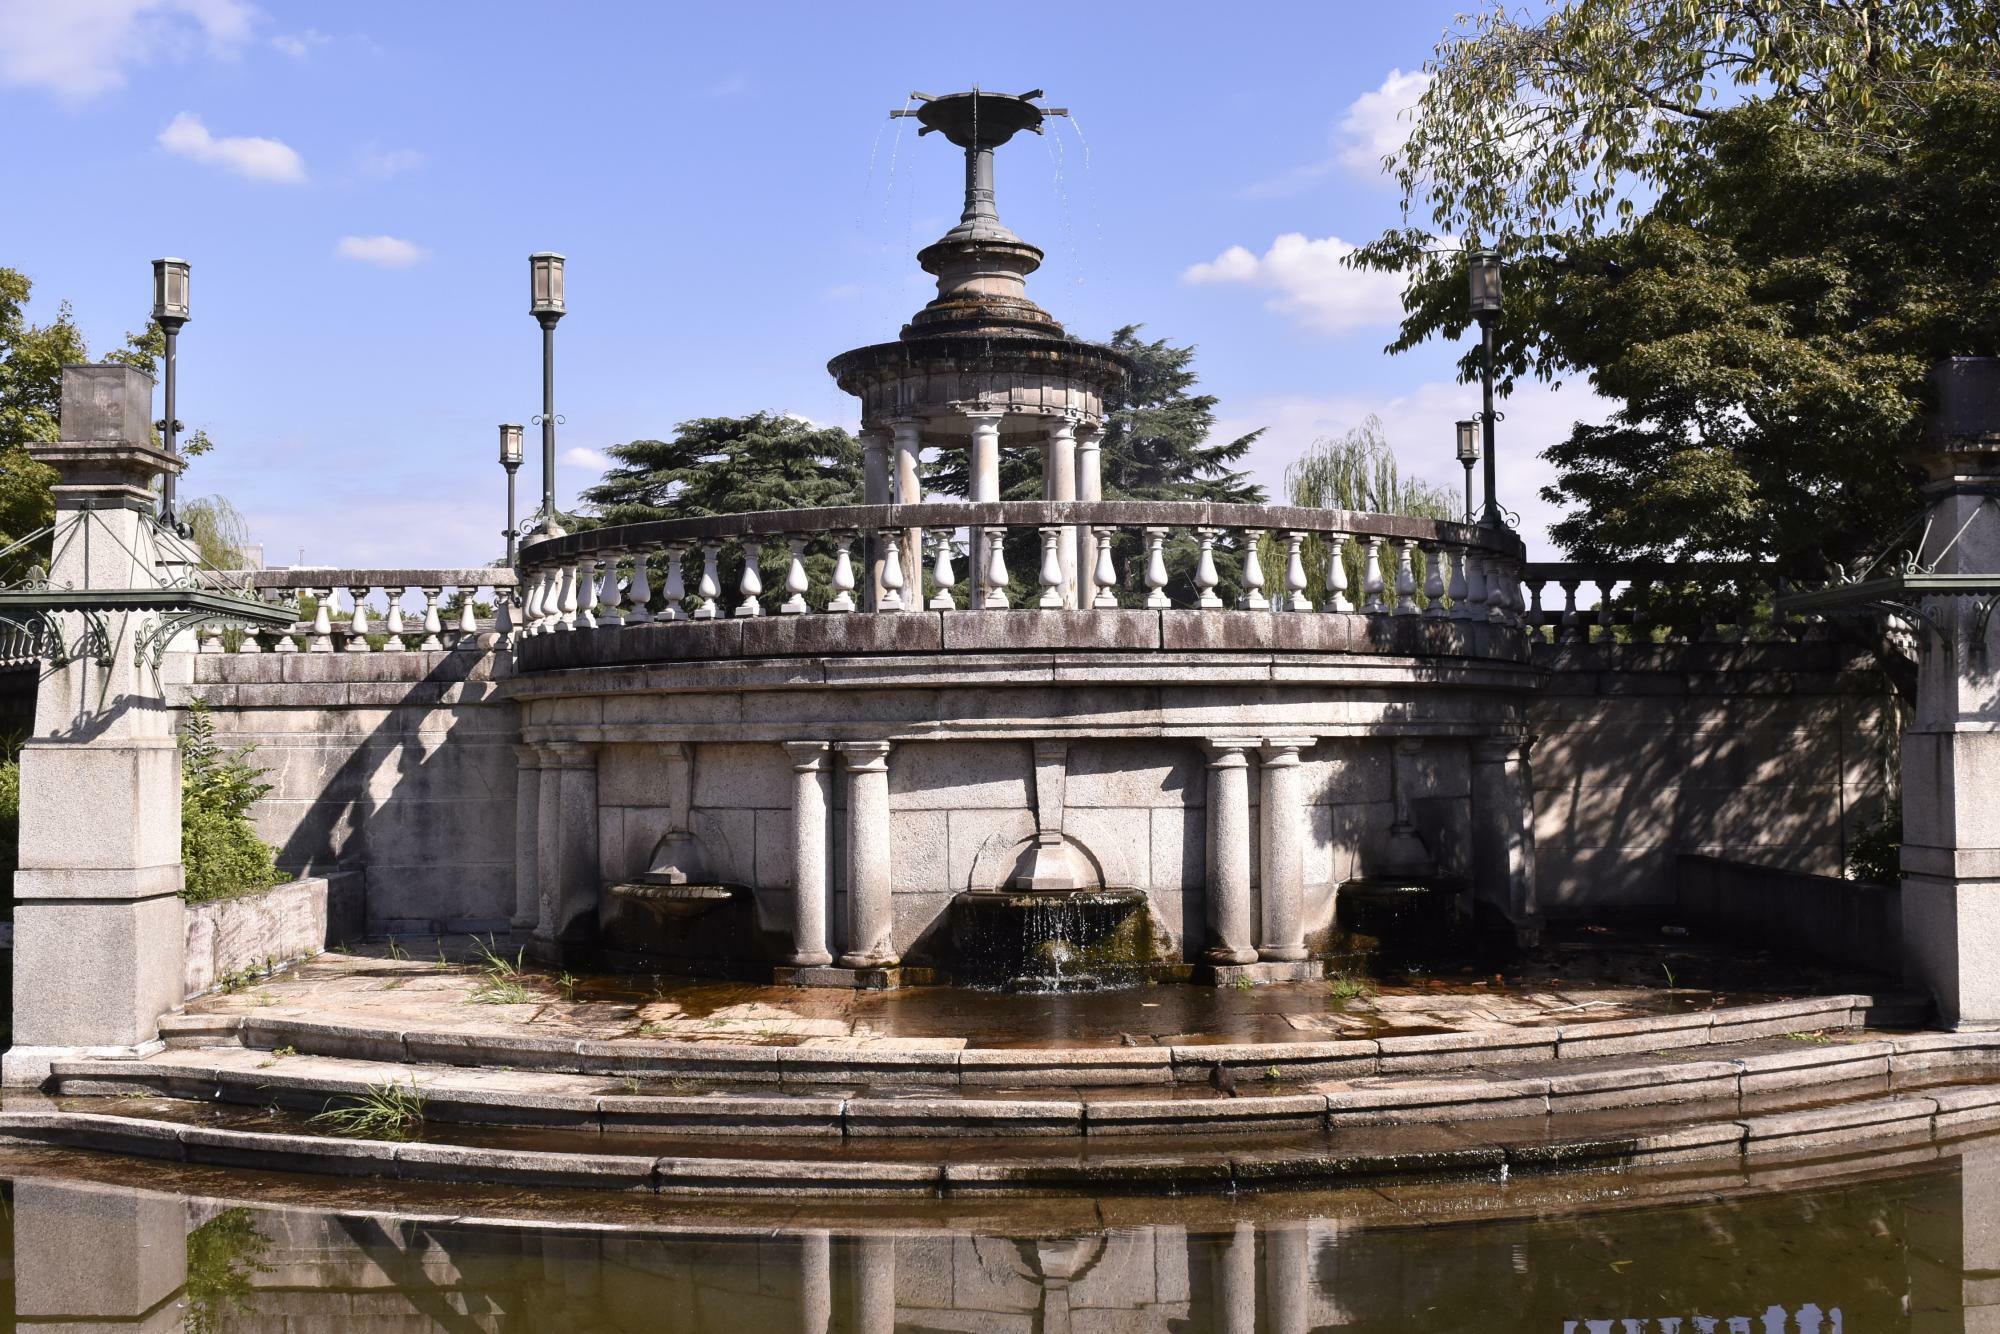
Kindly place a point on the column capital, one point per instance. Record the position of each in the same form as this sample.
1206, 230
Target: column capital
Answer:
1063, 424
807, 756
982, 416
569, 755
1284, 749
1498, 749
1228, 752
864, 756
528, 756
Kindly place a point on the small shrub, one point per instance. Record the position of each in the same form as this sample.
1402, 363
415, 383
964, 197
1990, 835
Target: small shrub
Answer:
1347, 987
1876, 855
388, 1111
223, 856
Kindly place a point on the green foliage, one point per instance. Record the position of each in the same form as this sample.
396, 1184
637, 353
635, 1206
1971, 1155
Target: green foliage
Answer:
222, 854
386, 1111
222, 1256
10, 829
1752, 225
500, 981
1876, 854
217, 530
1354, 471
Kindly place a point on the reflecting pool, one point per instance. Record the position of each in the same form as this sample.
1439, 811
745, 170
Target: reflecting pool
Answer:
1883, 1242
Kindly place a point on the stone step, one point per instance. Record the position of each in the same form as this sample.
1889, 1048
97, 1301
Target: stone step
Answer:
1744, 1076
879, 1061
956, 1167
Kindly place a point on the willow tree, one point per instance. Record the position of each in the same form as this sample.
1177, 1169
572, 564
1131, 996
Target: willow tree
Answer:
1356, 470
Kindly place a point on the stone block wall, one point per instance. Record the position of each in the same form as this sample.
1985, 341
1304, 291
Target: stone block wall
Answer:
1771, 754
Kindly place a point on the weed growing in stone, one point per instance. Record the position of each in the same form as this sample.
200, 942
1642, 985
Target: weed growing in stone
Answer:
500, 982
396, 950
238, 979
1243, 984
387, 1111
1347, 987
1817, 1039
567, 985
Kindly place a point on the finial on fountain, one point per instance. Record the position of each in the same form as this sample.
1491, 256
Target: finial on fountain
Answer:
979, 122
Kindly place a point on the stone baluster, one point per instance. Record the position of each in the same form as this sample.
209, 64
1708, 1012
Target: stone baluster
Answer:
1434, 568
710, 587
250, 643
843, 573
566, 599
1499, 603
393, 622
286, 642
996, 568
796, 583
586, 593
531, 602
639, 591
468, 617
812, 800
1252, 596
1406, 577
943, 577
1294, 597
1455, 582
322, 628
1156, 568
983, 478
357, 622
1336, 574
433, 640
1475, 585
211, 639
1059, 485
1052, 570
1205, 577
504, 620
1089, 490
1105, 574
1607, 617
610, 594
673, 586
1372, 586
906, 482
1573, 626
751, 585
891, 543
1533, 616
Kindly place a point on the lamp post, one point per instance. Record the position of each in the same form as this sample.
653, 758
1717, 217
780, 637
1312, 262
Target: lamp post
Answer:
170, 312
545, 303
1484, 274
1468, 455
511, 453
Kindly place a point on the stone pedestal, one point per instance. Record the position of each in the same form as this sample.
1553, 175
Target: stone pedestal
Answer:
98, 933
97, 1258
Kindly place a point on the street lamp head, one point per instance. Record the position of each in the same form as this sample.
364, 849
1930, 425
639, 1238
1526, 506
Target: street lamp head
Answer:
511, 449
545, 285
170, 292
1468, 442
1485, 280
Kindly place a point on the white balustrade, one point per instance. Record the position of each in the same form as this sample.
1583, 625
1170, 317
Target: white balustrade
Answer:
1406, 577
1051, 573
1295, 598
893, 582
1105, 575
795, 578
996, 569
710, 587
357, 622
751, 585
1435, 557
1456, 589
610, 594
1252, 597
1156, 568
1205, 577
586, 593
843, 574
1336, 574
1372, 587
393, 622
943, 577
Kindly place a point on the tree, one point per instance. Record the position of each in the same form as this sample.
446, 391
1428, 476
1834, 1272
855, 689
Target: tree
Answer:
1353, 471
217, 531
736, 465
1155, 446
1738, 219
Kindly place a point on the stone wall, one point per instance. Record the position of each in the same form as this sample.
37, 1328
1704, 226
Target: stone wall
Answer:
1772, 754
282, 925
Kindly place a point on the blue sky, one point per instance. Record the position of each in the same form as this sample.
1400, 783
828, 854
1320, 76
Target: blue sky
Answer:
357, 186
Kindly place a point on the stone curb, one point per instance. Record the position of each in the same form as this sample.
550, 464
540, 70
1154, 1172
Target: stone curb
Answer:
1937, 1115
1184, 1063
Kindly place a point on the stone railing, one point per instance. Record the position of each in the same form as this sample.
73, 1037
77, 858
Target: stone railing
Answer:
952, 557
374, 616
1638, 602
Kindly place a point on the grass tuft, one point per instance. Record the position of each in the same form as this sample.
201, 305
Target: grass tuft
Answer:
387, 1111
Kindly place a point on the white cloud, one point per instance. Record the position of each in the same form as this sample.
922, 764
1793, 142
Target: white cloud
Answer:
299, 45
384, 252
1374, 125
576, 456
1418, 425
1312, 283
386, 162
78, 49
1377, 122
256, 158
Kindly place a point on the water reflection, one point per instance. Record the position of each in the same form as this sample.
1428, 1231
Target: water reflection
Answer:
1814, 1251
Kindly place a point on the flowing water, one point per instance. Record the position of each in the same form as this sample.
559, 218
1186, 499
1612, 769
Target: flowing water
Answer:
94, 1243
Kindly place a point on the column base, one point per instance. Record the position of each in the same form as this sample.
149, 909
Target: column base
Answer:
1259, 974
815, 959
1222, 955
878, 978
28, 1067
1281, 953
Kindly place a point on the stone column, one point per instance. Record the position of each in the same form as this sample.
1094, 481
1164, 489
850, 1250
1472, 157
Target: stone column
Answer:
567, 852
1230, 907
1236, 1282
908, 489
1503, 837
1281, 938
875, 490
815, 1281
527, 832
97, 922
1089, 487
1059, 484
812, 796
870, 916
874, 1284
1287, 1279
983, 483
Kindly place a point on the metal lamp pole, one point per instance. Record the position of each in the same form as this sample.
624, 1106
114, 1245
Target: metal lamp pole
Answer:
1484, 276
170, 312
1468, 455
545, 303
511, 453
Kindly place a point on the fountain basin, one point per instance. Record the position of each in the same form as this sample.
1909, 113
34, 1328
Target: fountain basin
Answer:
1078, 940
1401, 920
675, 902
